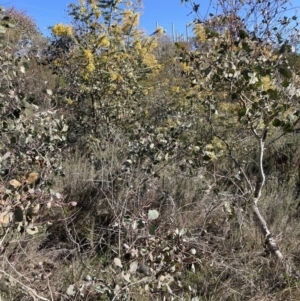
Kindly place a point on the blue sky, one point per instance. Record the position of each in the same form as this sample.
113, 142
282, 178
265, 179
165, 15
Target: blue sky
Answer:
165, 12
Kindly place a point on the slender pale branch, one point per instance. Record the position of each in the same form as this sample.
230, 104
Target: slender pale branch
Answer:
269, 240
260, 182
262, 178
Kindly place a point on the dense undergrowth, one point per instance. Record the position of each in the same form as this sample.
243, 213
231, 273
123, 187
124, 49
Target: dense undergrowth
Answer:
130, 164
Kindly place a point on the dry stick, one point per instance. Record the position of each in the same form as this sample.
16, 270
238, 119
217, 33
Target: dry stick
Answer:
6, 232
269, 240
48, 283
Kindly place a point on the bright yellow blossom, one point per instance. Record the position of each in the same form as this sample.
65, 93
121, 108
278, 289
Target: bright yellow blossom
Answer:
88, 55
97, 13
199, 32
103, 41
62, 30
266, 83
127, 13
186, 68
137, 45
131, 17
152, 45
113, 76
90, 67
69, 101
119, 78
149, 59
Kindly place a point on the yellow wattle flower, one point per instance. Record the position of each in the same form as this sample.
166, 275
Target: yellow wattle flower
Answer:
62, 30
103, 41
199, 32
90, 67
88, 55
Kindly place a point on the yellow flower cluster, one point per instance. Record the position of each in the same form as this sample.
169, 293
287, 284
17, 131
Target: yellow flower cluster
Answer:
266, 83
149, 59
62, 30
116, 77
119, 78
113, 76
218, 144
148, 45
90, 67
137, 45
88, 55
103, 41
97, 12
83, 8
57, 62
69, 101
186, 68
199, 32
152, 45
175, 89
130, 21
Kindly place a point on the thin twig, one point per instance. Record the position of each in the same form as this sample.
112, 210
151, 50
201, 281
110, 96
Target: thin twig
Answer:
48, 283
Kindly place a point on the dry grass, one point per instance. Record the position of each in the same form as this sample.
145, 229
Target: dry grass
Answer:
220, 255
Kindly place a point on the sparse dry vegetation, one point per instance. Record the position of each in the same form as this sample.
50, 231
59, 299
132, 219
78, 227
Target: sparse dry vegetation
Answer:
135, 168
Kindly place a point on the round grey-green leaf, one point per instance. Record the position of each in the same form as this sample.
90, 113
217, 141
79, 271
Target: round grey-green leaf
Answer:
32, 230
153, 214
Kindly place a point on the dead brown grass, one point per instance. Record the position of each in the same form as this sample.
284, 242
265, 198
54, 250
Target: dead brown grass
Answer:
200, 250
